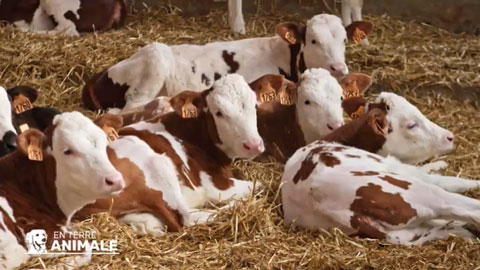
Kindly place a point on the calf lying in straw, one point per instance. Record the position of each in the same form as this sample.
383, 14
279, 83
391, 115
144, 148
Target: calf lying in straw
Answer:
326, 185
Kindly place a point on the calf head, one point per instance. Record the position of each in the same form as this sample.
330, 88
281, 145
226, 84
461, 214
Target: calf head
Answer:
229, 108
7, 130
322, 41
79, 150
412, 137
319, 104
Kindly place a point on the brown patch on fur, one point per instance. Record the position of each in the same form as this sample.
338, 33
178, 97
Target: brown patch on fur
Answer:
371, 201
396, 182
365, 173
98, 15
101, 93
308, 165
329, 159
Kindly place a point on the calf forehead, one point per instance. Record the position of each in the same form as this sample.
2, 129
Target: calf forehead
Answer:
231, 93
318, 84
326, 26
398, 105
75, 129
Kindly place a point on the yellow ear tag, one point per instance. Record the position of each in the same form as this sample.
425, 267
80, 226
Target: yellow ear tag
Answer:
189, 111
112, 134
23, 128
358, 35
353, 91
285, 98
35, 149
290, 38
357, 113
21, 103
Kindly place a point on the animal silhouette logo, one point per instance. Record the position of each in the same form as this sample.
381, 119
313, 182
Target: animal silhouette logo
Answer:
37, 241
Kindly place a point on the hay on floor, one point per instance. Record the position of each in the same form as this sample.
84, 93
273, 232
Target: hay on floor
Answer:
404, 58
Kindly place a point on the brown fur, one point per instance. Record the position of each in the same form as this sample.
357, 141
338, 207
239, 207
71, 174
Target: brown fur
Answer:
101, 93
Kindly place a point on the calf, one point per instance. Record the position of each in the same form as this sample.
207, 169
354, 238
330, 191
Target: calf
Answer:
50, 177
60, 16
17, 114
328, 185
158, 69
351, 10
176, 163
315, 109
412, 138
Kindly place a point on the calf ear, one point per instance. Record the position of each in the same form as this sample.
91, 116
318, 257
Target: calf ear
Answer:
291, 32
189, 104
26, 91
359, 30
354, 107
32, 143
110, 124
355, 84
275, 87
378, 121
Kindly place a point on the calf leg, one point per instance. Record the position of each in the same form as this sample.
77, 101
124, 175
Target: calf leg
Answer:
357, 15
144, 223
239, 190
346, 12
235, 17
58, 10
451, 183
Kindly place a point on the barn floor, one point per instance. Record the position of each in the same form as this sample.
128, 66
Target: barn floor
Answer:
419, 61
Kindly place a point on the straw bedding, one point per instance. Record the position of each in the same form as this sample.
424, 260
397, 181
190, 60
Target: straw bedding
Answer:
419, 61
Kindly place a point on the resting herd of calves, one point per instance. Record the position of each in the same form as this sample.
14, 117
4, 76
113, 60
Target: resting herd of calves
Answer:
178, 116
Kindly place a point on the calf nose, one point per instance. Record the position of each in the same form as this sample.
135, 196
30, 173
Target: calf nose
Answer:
450, 137
334, 125
10, 140
254, 145
115, 183
338, 70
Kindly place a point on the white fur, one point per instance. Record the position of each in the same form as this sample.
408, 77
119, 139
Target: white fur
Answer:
235, 100
57, 9
424, 141
81, 175
5, 114
12, 254
351, 12
324, 111
158, 69
324, 198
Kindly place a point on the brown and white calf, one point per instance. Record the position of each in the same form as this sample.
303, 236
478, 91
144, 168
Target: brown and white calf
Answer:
70, 17
17, 114
327, 185
351, 11
305, 112
50, 177
162, 70
412, 137
178, 162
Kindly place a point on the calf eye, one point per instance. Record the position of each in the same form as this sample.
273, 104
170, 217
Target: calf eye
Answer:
412, 125
345, 40
68, 152
341, 98
219, 114
307, 102
387, 107
314, 41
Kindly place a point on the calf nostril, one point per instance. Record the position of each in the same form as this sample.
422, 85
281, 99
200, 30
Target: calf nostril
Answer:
329, 127
450, 138
109, 182
333, 68
246, 146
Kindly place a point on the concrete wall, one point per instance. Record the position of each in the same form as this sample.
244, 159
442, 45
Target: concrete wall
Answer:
453, 15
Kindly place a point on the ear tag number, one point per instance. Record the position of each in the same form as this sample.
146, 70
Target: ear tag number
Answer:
35, 149
285, 98
189, 111
112, 134
21, 104
352, 91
